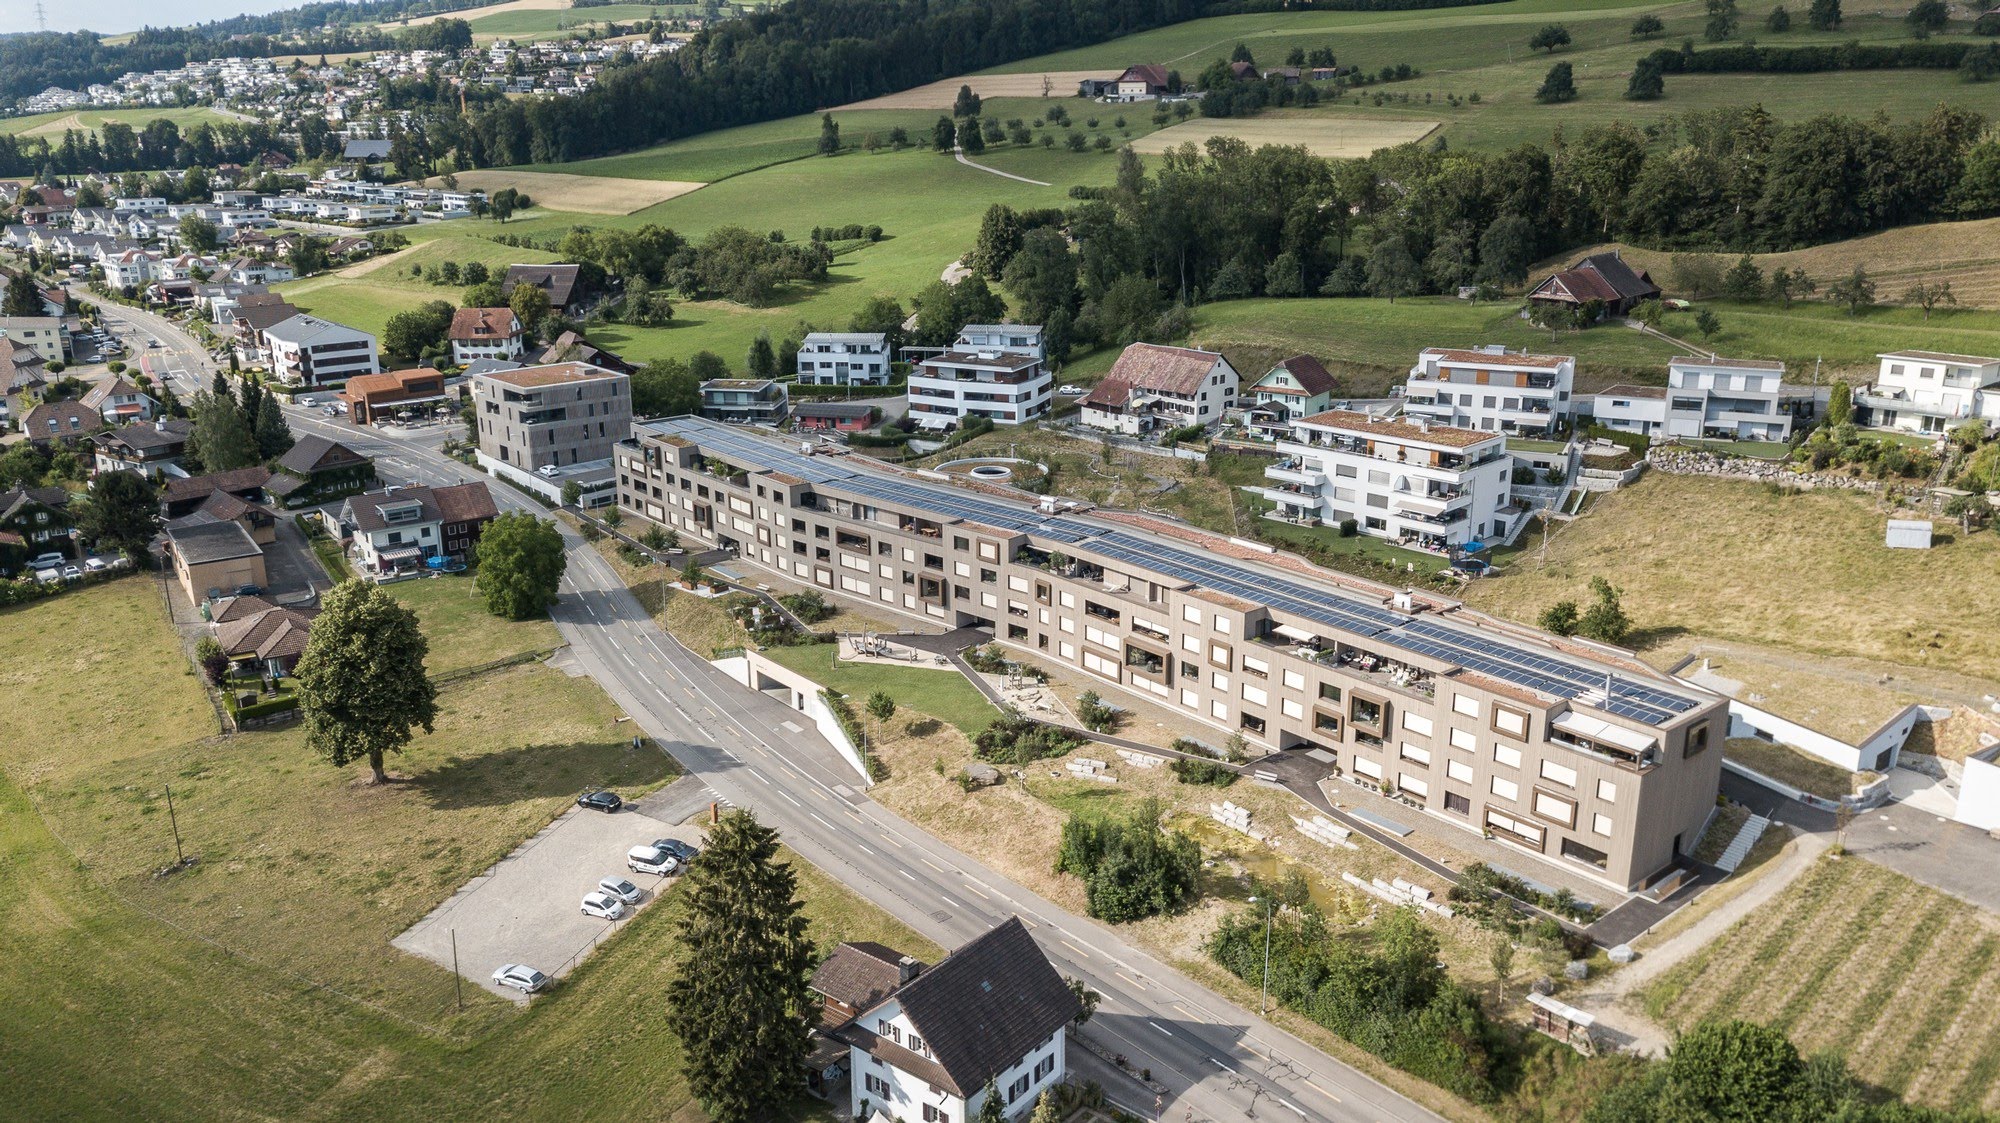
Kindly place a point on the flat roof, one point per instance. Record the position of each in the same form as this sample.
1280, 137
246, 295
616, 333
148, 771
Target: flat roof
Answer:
530, 378
1717, 361
1516, 656
1350, 421
1623, 391
1495, 358
1940, 357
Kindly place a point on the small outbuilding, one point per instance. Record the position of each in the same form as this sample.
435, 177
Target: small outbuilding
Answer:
1909, 534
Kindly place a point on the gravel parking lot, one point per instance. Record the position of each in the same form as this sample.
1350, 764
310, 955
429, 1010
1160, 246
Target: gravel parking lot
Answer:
525, 908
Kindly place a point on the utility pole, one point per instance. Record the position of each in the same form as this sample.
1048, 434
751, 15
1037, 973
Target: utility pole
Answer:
1264, 1003
173, 820
41, 17
457, 980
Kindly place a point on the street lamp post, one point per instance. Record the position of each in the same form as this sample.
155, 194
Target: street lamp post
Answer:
1264, 1002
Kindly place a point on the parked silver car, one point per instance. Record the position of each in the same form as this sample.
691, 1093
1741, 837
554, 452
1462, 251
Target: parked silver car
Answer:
521, 977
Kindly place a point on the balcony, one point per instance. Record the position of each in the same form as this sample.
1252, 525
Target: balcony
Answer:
1295, 472
1435, 501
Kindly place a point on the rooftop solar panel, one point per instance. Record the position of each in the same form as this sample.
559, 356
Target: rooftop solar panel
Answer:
1521, 664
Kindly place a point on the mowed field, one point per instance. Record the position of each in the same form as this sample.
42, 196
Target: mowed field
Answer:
1804, 572
1321, 134
366, 294
587, 194
53, 125
259, 983
1897, 978
944, 94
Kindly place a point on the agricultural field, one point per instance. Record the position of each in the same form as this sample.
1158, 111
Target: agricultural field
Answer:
53, 125
943, 95
1320, 133
588, 194
1809, 574
1854, 958
276, 940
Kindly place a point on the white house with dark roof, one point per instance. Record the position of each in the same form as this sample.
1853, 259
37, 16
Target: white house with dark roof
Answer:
1156, 387
1930, 392
994, 1010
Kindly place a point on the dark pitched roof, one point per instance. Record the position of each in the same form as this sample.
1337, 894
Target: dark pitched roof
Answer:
365, 511
476, 325
72, 418
13, 500
1151, 73
234, 480
986, 1006
558, 280
210, 541
1309, 373
570, 347
1603, 276
313, 453
860, 974
272, 633
143, 435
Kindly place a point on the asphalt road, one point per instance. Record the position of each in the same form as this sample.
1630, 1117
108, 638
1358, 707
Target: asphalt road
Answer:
1219, 1061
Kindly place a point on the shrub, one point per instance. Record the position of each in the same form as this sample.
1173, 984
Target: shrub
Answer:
1094, 714
1132, 868
809, 606
1014, 739
1210, 772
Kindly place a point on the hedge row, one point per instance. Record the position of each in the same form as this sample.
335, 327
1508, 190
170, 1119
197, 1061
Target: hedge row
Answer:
1747, 58
1241, 7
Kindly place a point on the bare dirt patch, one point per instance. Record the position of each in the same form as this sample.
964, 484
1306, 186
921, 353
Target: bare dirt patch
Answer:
941, 95
587, 194
1323, 135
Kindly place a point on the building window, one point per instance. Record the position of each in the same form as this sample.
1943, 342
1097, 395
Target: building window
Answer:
1554, 808
1601, 824
1511, 757
1607, 791
1578, 852
875, 1085
1465, 704
1559, 773
1458, 770
1508, 827
1505, 788
1511, 722
1697, 740
1413, 785
935, 1114
1457, 804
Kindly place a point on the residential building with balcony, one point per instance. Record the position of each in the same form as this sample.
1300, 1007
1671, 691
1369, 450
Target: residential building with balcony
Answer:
748, 401
1930, 392
1432, 487
1154, 388
308, 351
1723, 399
1293, 388
851, 358
545, 426
1563, 751
996, 371
1491, 389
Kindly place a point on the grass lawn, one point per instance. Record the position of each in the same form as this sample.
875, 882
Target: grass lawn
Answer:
1855, 958
463, 633
1816, 332
1841, 698
1799, 572
365, 297
940, 692
52, 125
1796, 767
1762, 450
263, 973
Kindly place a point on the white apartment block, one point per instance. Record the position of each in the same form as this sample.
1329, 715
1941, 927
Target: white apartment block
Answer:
1409, 481
1724, 399
854, 358
308, 351
1930, 392
1491, 389
997, 371
130, 269
1152, 387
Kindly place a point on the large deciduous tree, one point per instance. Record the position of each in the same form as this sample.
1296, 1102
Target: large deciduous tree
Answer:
739, 999
521, 563
363, 690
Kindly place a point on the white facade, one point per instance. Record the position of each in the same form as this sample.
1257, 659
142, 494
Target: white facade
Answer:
130, 269
844, 359
1407, 481
879, 1087
996, 371
1152, 387
1931, 392
1726, 399
306, 350
1491, 389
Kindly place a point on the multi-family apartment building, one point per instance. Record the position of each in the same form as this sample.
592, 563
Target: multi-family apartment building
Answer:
749, 401
1567, 751
1729, 399
1930, 392
1409, 481
308, 351
850, 358
553, 417
1155, 387
996, 371
1491, 389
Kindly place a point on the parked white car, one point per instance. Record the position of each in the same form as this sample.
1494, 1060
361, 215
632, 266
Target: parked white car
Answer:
521, 977
620, 888
603, 905
652, 859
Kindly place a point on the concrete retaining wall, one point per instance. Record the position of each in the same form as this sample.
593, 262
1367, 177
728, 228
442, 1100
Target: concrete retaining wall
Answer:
800, 693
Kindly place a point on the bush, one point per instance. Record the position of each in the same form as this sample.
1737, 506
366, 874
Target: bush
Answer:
1094, 714
1210, 772
808, 606
1132, 868
1014, 739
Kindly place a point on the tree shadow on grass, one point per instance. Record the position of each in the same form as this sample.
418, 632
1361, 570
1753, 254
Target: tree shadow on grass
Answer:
541, 771
1641, 639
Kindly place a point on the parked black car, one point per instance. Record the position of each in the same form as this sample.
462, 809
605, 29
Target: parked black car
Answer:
600, 801
677, 848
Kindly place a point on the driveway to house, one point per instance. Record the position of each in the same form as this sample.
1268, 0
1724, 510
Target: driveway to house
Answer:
526, 908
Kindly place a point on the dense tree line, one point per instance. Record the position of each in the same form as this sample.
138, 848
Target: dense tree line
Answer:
784, 61
159, 143
1852, 55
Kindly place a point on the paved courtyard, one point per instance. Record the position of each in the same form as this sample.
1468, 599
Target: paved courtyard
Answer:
525, 908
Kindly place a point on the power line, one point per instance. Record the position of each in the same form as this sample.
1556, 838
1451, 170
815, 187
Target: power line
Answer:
41, 18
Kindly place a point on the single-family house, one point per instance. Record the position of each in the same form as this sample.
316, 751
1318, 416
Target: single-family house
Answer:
1293, 388
150, 448
401, 527
485, 333
569, 347
994, 1011
22, 372
1153, 387
67, 420
1601, 277
752, 401
34, 521
119, 401
259, 636
1728, 399
1930, 392
214, 555
559, 281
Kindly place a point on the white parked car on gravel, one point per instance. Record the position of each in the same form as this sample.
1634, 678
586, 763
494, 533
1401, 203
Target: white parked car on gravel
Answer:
620, 888
603, 905
652, 859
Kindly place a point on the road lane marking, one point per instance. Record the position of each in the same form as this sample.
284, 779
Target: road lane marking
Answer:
933, 865
1130, 979
908, 874
1219, 1064
1161, 1028
789, 799
890, 838
949, 901
971, 888
1322, 1091
1074, 948
822, 822
865, 850
760, 776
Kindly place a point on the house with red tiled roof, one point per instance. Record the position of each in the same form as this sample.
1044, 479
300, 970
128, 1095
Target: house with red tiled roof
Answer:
1152, 387
1147, 79
485, 333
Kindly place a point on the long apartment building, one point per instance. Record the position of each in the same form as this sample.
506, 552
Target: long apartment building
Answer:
997, 371
308, 351
1491, 389
1731, 399
1406, 480
1572, 753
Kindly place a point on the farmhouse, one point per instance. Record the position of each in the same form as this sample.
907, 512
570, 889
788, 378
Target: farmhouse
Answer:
485, 333
1492, 390
1603, 278
1154, 387
559, 281
1148, 79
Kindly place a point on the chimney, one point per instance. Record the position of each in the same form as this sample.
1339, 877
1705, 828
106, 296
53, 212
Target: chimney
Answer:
907, 968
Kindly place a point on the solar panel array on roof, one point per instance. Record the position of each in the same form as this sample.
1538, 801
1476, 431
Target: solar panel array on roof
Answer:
1521, 664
